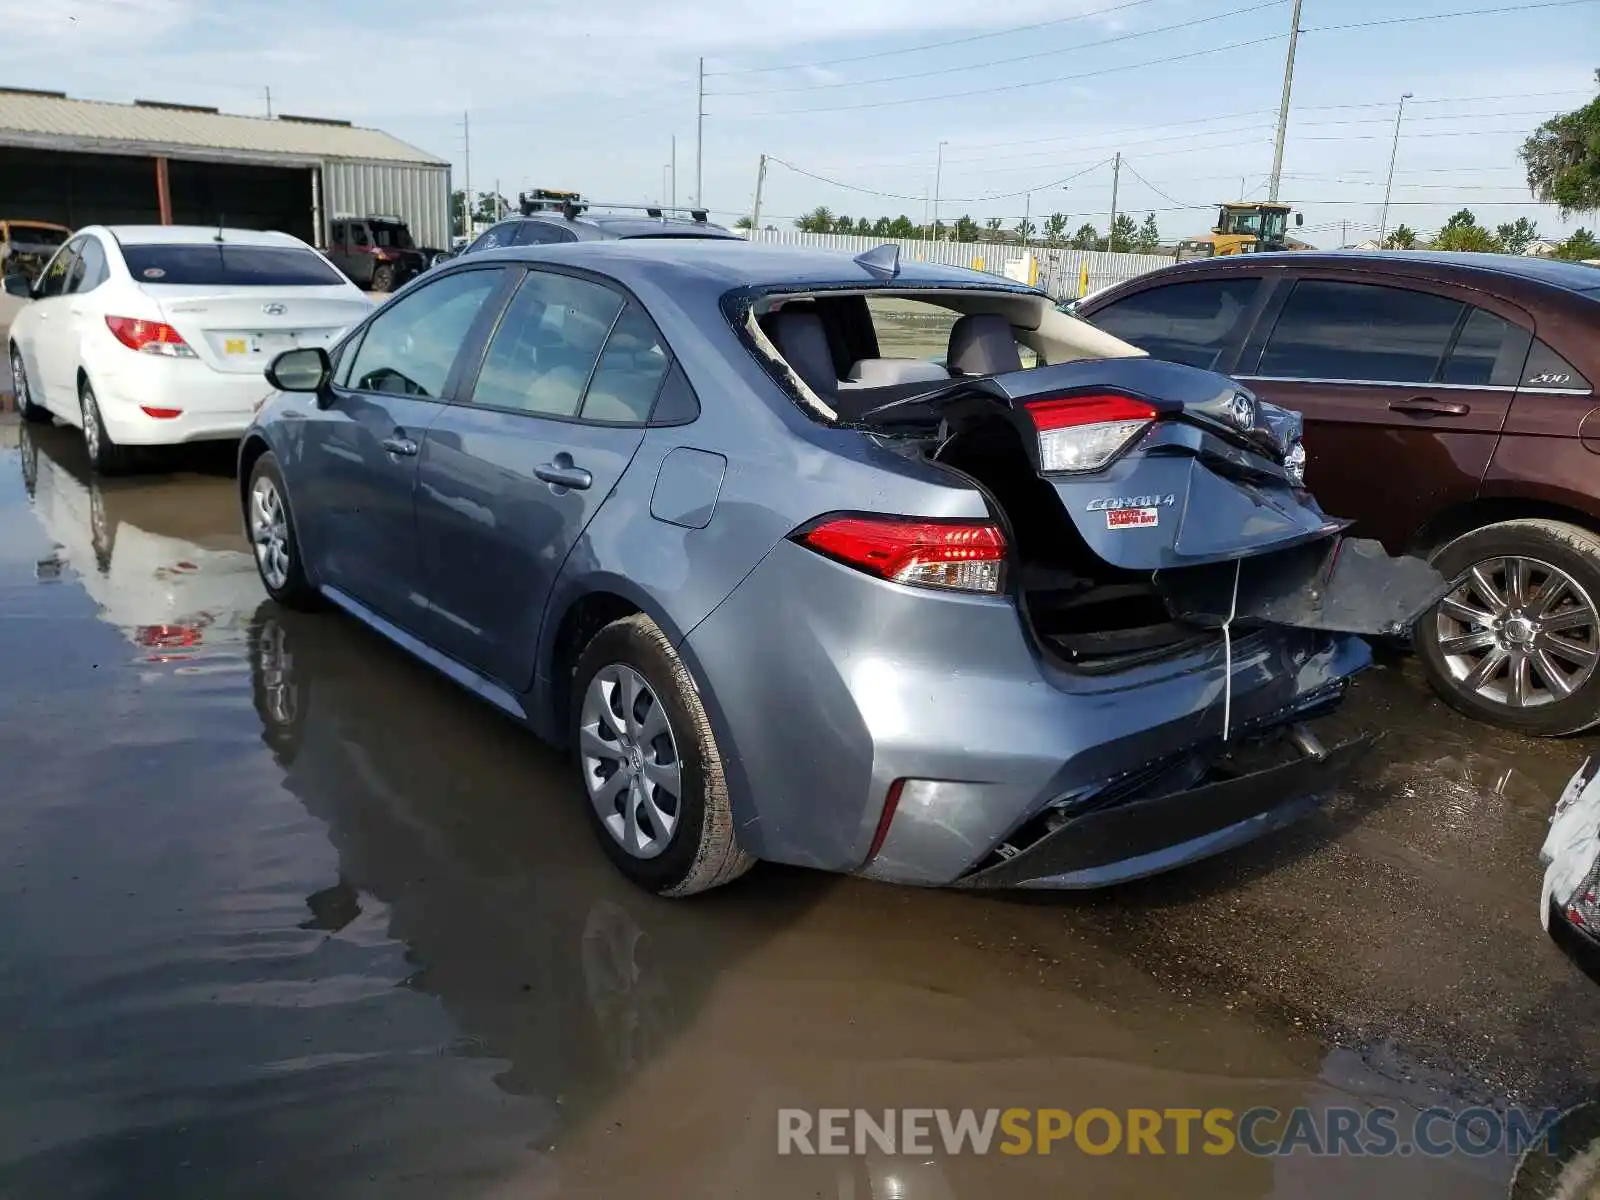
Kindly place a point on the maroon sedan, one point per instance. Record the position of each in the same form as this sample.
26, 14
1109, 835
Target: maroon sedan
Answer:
1449, 411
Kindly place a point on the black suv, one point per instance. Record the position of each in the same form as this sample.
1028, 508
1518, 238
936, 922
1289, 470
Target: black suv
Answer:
574, 223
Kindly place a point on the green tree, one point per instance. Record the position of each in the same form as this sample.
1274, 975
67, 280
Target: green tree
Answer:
1563, 159
1123, 233
1024, 230
1055, 229
992, 230
1516, 236
843, 224
1462, 232
966, 229
491, 207
744, 223
1087, 238
458, 213
880, 227
863, 227
818, 220
1402, 237
902, 227
1580, 247
1148, 239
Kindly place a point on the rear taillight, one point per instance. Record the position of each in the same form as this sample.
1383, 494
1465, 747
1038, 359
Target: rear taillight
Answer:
149, 337
963, 556
1084, 433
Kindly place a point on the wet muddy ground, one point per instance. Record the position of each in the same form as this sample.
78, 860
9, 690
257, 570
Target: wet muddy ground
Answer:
282, 913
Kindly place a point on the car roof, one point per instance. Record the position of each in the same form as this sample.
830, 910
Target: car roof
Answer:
734, 262
631, 227
1568, 276
189, 235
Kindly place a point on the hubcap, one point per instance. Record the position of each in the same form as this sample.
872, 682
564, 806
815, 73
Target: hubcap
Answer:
630, 761
91, 425
1519, 632
269, 530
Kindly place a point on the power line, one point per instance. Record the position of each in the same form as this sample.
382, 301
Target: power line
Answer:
1001, 62
960, 41
1471, 12
952, 199
1013, 87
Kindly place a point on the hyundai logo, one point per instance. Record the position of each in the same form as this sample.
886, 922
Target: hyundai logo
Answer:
274, 310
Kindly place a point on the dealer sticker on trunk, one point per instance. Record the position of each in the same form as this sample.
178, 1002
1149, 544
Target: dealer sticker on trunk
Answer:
1132, 518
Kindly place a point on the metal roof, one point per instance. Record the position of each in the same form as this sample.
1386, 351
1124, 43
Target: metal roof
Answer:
53, 122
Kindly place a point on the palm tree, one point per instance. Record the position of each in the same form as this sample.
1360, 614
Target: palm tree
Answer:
818, 220
1402, 238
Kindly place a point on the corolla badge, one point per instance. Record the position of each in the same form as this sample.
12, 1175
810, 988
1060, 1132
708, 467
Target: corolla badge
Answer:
274, 310
1112, 503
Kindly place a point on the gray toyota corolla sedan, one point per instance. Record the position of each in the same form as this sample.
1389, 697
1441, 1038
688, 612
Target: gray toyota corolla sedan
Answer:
1022, 607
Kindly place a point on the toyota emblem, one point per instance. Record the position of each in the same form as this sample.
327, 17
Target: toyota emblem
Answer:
274, 310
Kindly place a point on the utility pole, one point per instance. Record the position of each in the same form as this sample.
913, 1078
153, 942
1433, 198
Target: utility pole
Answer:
938, 172
1027, 215
1283, 105
1116, 178
466, 168
1394, 150
761, 180
700, 138
674, 170
1344, 234
269, 104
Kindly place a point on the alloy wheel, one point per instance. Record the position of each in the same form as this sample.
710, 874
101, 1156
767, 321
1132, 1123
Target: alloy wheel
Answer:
1519, 632
269, 531
630, 760
19, 382
91, 425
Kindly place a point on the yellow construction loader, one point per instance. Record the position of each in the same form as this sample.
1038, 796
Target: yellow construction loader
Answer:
1242, 229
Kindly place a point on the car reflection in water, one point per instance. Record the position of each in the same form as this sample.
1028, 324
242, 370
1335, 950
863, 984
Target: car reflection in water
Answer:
166, 564
473, 839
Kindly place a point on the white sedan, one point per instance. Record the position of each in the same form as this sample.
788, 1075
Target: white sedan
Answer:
151, 335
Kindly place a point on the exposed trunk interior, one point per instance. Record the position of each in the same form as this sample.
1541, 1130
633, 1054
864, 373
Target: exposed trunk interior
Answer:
1081, 610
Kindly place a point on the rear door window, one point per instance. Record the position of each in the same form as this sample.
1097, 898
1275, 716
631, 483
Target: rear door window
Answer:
89, 272
54, 278
547, 346
629, 374
1192, 323
1547, 369
410, 347
222, 265
1488, 352
1361, 332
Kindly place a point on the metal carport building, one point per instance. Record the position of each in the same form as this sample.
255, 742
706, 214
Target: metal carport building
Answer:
84, 162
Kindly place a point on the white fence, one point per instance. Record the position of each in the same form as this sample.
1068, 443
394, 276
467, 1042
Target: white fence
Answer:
1060, 272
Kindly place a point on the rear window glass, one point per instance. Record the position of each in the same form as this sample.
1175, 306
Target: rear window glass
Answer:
1191, 323
395, 237
1547, 369
911, 328
224, 265
38, 237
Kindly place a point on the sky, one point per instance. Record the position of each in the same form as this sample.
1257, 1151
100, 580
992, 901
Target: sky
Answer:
852, 99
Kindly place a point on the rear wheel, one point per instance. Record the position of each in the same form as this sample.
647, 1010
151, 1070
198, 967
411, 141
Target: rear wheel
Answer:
105, 456
650, 764
383, 278
1518, 642
37, 413
272, 534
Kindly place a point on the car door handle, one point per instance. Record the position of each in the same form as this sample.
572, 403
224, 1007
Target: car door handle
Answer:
562, 473
402, 446
1426, 405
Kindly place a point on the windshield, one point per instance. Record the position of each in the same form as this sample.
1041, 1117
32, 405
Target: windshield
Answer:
35, 236
234, 266
1240, 222
393, 237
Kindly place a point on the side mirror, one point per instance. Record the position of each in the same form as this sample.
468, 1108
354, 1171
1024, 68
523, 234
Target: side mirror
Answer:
442, 257
307, 369
1299, 218
18, 285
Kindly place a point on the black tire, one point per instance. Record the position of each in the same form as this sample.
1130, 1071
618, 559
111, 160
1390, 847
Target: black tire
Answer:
701, 851
105, 456
38, 414
28, 456
294, 589
383, 278
1570, 550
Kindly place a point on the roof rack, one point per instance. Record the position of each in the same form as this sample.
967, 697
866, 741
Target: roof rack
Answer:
574, 208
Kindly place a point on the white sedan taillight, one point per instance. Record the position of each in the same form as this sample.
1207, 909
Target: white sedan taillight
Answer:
1084, 433
961, 556
149, 337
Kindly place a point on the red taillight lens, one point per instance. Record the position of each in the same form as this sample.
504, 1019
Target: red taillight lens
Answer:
1084, 433
167, 637
161, 414
149, 337
966, 556
891, 802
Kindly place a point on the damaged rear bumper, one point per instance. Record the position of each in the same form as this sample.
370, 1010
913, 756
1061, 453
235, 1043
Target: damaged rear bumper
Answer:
1146, 835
